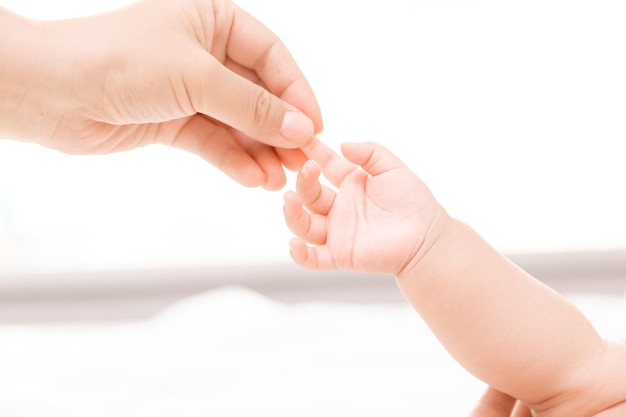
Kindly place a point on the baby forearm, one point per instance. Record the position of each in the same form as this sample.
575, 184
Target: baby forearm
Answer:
504, 326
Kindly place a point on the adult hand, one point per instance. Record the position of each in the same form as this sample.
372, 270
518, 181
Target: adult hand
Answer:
201, 75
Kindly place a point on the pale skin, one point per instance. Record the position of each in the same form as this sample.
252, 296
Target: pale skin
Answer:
537, 352
201, 75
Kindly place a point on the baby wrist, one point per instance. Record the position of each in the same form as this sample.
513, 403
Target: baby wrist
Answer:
438, 229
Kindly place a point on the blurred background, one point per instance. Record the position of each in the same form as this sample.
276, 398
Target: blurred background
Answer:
512, 112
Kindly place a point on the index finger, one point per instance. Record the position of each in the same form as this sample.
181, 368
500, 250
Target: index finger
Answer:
334, 166
254, 46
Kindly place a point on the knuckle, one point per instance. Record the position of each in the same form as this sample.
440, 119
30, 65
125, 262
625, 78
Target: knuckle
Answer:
262, 109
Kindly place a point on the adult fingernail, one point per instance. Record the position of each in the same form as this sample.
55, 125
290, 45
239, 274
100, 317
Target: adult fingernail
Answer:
296, 127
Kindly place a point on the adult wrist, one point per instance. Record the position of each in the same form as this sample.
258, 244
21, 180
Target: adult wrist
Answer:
11, 75
35, 78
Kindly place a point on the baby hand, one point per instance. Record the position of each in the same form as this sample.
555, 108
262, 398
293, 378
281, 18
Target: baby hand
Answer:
378, 218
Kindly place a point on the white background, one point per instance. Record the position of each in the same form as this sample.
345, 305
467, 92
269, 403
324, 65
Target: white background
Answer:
512, 112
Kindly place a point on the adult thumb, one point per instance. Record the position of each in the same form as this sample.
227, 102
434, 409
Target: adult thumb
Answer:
238, 102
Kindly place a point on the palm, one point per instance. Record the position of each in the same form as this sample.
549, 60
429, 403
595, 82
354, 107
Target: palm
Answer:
375, 222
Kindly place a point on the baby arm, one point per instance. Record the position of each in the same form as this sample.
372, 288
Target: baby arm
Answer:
501, 324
